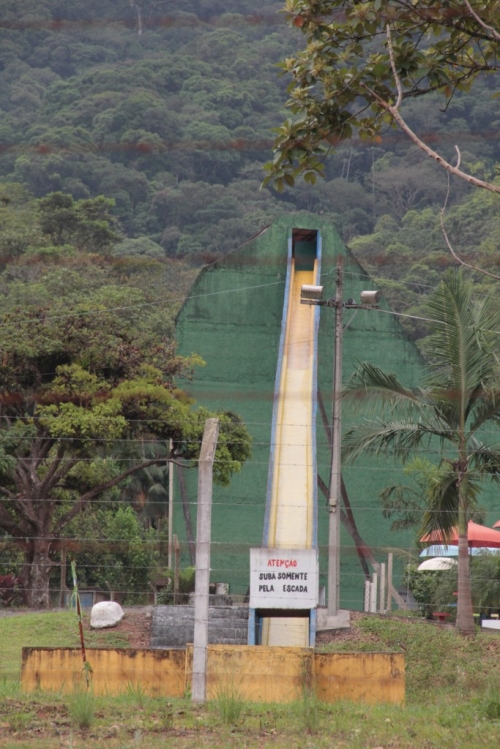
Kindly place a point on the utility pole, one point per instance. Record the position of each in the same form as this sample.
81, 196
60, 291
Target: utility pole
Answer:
312, 295
202, 579
335, 474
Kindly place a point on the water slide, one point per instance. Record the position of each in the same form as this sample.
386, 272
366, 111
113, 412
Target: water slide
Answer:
290, 521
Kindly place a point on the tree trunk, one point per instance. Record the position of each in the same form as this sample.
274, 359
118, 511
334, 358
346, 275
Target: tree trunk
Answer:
40, 566
465, 618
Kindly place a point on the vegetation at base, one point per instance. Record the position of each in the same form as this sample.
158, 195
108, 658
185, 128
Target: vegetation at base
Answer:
452, 699
453, 407
229, 704
440, 665
81, 704
436, 590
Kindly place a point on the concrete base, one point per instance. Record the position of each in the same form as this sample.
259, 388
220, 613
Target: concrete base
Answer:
325, 622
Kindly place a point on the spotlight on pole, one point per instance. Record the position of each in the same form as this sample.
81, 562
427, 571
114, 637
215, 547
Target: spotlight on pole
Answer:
370, 298
310, 294
313, 295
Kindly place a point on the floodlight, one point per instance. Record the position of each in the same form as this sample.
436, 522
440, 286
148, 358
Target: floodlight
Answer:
370, 297
311, 293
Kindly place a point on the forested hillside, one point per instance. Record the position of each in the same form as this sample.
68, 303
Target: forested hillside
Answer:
167, 108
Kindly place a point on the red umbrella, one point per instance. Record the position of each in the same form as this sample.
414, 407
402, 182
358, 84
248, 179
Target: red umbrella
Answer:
478, 536
497, 524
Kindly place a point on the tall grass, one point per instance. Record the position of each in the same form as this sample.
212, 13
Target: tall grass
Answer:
136, 695
308, 707
229, 703
81, 706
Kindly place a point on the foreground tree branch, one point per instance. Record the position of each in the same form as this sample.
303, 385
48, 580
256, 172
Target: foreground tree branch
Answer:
360, 62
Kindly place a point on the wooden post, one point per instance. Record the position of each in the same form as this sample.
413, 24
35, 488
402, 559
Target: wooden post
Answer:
202, 579
62, 584
368, 589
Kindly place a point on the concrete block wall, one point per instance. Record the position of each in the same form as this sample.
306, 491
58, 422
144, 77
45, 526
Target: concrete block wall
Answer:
173, 626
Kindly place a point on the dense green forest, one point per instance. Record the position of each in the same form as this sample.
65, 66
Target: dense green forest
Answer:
167, 109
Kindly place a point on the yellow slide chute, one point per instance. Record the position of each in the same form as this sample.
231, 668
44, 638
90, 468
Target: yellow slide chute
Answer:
292, 505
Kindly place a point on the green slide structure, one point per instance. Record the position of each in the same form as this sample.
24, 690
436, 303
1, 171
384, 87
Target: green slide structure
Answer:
233, 317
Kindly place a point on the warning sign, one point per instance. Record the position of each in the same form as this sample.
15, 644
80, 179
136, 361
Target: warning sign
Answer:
284, 578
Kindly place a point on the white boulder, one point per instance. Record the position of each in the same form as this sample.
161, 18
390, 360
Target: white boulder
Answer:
106, 614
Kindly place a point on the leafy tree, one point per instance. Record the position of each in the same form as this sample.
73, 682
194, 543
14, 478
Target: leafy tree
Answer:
75, 380
87, 224
459, 397
85, 367
423, 586
361, 61
114, 551
485, 581
138, 247
485, 576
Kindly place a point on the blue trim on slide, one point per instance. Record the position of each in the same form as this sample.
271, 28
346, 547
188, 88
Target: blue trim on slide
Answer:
269, 492
314, 394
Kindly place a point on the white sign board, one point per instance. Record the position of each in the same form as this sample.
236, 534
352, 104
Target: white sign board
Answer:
284, 578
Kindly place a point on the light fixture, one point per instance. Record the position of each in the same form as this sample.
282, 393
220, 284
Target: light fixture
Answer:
370, 297
310, 294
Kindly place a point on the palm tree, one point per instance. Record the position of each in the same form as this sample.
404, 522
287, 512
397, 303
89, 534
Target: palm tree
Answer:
147, 490
459, 396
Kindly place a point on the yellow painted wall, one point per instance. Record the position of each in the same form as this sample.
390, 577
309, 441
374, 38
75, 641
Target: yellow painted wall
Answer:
360, 677
157, 672
256, 673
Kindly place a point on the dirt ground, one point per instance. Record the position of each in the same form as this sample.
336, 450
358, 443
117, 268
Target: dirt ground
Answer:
136, 626
341, 635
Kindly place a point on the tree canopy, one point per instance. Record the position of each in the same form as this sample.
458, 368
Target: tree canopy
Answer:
85, 369
361, 61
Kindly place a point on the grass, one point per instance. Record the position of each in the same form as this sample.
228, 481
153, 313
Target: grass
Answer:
46, 721
52, 629
82, 704
229, 704
453, 702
